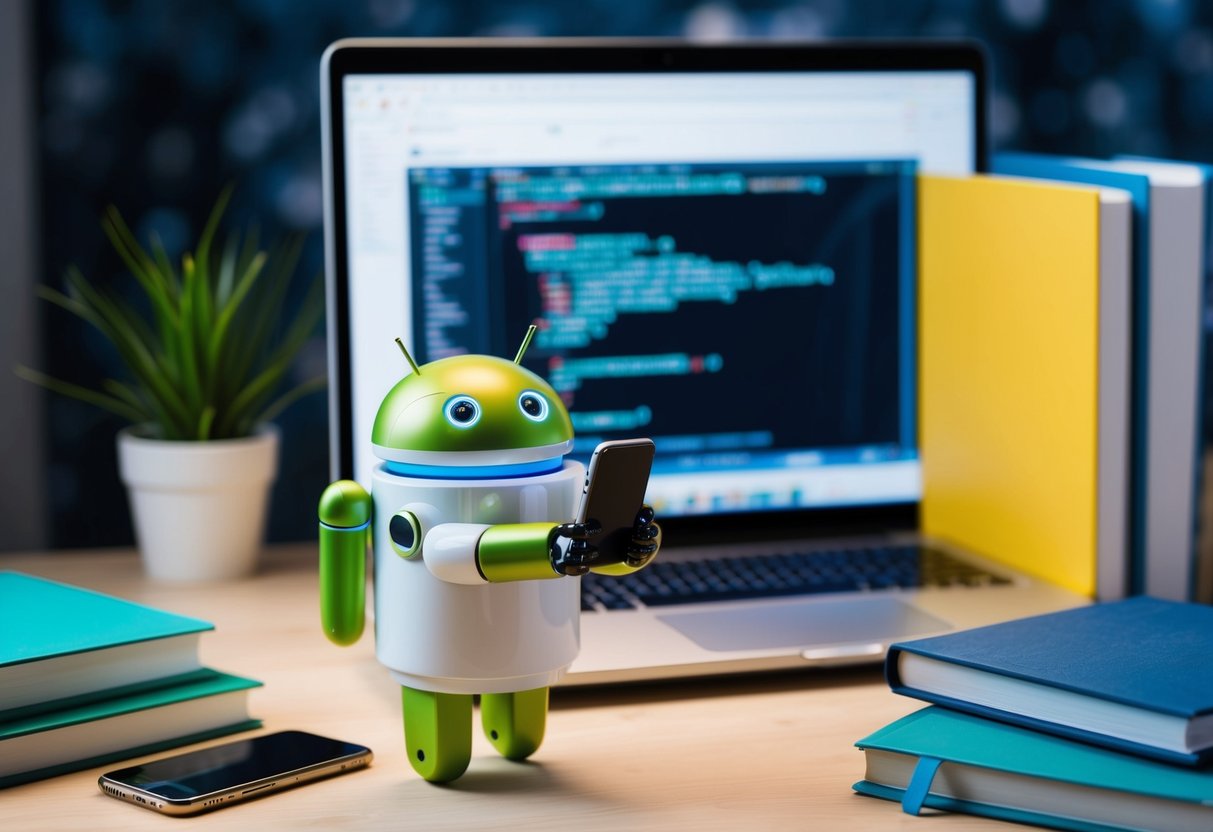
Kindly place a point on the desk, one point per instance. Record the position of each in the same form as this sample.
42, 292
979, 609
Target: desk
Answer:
769, 752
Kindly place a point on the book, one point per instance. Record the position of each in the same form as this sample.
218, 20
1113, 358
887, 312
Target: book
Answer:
188, 708
60, 642
1023, 383
954, 762
1203, 590
1131, 675
1177, 246
86, 678
1169, 201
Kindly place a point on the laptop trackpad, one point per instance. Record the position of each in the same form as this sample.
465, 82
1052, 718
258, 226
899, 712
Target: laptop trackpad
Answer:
805, 624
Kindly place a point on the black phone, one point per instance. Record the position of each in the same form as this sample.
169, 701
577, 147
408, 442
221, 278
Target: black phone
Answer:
199, 781
614, 493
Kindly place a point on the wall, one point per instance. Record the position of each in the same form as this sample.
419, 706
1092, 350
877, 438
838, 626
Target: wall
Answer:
152, 106
22, 509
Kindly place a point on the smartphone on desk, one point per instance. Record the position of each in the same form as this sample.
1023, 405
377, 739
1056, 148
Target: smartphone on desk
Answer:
199, 781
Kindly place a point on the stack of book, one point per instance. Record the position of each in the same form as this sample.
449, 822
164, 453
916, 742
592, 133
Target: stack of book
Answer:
86, 679
1099, 717
1061, 337
1170, 262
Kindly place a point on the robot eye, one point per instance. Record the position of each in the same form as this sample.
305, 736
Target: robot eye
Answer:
462, 411
533, 405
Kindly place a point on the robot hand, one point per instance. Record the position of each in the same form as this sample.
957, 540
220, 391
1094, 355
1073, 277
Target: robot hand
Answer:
638, 547
646, 539
570, 548
576, 548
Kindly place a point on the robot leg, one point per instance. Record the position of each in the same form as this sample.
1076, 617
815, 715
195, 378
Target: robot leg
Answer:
514, 722
438, 733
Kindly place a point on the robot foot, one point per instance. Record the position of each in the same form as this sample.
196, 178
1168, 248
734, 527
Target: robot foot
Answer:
438, 733
514, 722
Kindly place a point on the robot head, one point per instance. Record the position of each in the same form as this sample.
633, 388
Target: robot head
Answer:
471, 411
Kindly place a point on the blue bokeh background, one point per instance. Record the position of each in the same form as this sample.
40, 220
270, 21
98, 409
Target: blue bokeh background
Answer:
153, 105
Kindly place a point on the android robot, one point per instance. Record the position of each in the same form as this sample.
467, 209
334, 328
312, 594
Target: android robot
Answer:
476, 554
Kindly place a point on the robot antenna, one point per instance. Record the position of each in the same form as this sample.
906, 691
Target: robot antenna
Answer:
408, 357
526, 342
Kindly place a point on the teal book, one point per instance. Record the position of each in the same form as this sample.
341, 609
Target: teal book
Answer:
188, 708
60, 642
952, 762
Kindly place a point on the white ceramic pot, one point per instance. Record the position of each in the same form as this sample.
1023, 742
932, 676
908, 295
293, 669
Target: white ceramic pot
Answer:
199, 507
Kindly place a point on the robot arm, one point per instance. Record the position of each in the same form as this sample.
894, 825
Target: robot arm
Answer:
470, 553
475, 553
345, 521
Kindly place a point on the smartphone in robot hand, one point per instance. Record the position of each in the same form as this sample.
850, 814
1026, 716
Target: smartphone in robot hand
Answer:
614, 531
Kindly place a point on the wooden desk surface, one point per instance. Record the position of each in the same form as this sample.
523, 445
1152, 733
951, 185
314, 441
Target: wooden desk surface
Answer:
769, 752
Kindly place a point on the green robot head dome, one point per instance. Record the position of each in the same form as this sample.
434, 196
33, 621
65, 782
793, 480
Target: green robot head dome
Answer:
471, 411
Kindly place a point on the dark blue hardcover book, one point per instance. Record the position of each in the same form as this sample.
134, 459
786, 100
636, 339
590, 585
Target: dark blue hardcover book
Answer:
1133, 675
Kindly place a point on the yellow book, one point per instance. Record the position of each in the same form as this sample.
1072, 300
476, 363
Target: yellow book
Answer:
1024, 374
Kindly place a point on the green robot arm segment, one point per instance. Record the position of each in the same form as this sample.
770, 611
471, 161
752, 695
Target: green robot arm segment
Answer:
345, 519
516, 552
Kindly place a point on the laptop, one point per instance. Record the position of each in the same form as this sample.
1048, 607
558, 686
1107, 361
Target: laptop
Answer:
719, 244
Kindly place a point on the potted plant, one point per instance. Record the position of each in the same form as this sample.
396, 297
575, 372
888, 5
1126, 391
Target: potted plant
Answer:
206, 359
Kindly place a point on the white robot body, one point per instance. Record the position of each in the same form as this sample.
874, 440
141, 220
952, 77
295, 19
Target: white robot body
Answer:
438, 625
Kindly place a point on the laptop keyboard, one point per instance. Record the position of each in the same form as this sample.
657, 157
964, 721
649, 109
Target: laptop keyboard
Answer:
817, 572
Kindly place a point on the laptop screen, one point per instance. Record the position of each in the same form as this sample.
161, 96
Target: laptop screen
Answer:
723, 261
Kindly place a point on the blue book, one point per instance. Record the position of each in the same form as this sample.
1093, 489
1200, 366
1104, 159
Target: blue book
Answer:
1132, 675
1178, 233
1178, 567
61, 645
943, 760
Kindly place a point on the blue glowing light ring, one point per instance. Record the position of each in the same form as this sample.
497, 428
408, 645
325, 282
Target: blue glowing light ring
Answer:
474, 472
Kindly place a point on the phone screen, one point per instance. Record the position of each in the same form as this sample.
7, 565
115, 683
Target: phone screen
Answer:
615, 486
226, 766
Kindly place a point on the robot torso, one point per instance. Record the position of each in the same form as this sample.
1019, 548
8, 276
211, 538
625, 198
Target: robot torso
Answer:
438, 635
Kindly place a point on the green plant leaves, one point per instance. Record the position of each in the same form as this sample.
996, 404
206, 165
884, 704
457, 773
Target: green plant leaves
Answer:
84, 394
209, 357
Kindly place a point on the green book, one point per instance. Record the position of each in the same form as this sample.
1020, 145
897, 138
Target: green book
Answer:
184, 709
945, 760
60, 642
